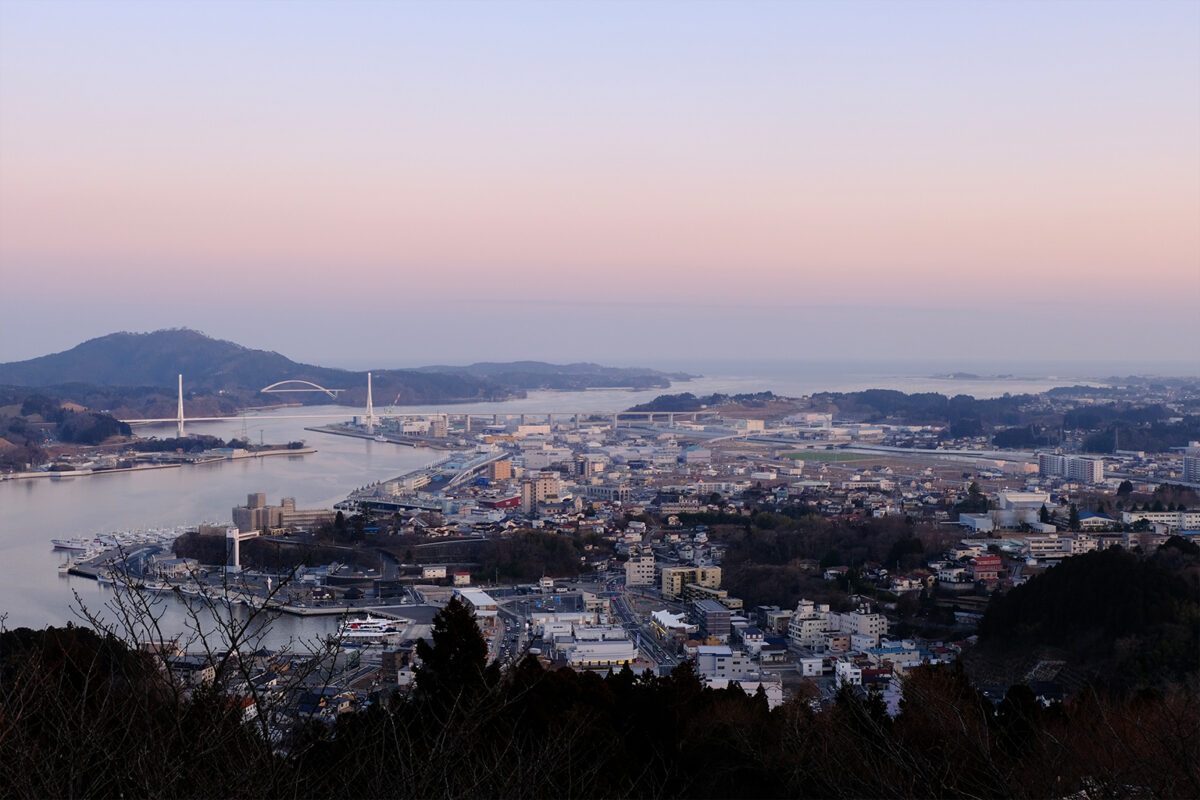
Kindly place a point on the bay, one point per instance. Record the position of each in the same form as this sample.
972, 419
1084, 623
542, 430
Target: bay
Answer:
32, 512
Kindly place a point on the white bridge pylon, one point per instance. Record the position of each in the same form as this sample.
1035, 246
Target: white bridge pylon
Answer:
275, 387
371, 418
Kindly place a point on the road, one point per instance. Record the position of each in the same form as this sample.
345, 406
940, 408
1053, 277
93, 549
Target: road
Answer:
510, 645
643, 633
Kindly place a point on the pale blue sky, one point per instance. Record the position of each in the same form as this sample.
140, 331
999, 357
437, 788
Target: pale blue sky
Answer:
857, 179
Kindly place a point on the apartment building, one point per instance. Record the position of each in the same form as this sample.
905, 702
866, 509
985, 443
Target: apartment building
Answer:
1073, 468
639, 570
674, 579
541, 488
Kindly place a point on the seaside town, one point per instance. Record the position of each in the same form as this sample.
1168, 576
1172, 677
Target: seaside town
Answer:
600, 400
641, 527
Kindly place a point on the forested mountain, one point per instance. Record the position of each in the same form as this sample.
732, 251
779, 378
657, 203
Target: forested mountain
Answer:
213, 365
154, 359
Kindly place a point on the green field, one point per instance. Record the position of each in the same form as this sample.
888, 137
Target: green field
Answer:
825, 455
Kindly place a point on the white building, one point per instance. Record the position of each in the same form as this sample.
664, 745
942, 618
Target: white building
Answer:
1015, 509
952, 574
722, 662
977, 523
1085, 470
1052, 465
752, 638
1051, 546
1191, 463
1083, 543
809, 624
542, 622
1172, 520
862, 641
861, 622
639, 570
532, 430
595, 647
540, 459
811, 666
1073, 468
847, 673
539, 489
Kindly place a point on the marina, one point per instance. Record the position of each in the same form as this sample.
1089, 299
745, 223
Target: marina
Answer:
133, 561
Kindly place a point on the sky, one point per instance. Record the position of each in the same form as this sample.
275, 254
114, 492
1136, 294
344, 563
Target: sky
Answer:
630, 182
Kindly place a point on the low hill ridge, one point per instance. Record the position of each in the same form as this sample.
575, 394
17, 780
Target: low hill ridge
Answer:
217, 367
151, 359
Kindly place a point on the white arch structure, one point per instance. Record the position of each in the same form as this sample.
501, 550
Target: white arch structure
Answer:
274, 387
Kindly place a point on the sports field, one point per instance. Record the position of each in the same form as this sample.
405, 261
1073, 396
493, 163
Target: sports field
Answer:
827, 456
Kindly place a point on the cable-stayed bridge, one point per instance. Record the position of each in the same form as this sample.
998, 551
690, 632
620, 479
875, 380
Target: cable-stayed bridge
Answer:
371, 417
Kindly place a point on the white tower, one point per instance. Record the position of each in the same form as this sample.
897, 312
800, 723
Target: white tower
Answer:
370, 407
179, 414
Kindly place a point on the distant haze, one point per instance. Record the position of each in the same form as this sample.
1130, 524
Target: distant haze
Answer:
668, 184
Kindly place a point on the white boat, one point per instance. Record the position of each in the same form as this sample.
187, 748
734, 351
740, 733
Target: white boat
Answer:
371, 627
81, 545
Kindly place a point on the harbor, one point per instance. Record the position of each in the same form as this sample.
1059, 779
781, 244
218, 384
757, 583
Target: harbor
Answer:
146, 461
143, 561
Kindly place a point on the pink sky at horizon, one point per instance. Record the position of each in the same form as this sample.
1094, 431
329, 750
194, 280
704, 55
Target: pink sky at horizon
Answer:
829, 153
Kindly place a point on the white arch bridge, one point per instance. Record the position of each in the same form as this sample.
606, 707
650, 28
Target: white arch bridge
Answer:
276, 388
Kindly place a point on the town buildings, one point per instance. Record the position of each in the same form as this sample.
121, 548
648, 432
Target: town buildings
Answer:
256, 515
1073, 468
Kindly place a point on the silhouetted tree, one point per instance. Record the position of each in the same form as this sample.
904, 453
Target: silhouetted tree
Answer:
454, 663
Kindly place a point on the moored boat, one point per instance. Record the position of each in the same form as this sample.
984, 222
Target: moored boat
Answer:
371, 628
80, 545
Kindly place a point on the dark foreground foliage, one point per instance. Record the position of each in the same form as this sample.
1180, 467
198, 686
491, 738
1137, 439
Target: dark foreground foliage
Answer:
1133, 620
84, 715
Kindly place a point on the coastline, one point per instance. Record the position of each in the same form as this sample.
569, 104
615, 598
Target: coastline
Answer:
84, 473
